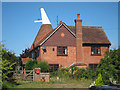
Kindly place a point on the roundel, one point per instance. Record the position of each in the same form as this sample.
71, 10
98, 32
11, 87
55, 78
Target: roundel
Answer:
62, 34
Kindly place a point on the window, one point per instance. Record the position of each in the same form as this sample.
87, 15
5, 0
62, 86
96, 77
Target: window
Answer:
53, 67
32, 54
95, 50
37, 52
93, 66
53, 49
61, 51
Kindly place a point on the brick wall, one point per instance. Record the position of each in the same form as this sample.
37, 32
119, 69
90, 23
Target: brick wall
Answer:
62, 37
51, 56
79, 48
92, 59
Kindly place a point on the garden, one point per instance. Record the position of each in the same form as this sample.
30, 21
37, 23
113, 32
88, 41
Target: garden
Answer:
73, 77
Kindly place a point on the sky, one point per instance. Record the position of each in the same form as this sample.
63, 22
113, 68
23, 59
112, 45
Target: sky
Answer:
19, 29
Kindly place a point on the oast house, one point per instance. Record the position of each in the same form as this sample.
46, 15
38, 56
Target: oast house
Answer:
66, 45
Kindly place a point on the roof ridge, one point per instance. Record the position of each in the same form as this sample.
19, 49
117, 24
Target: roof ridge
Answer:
88, 26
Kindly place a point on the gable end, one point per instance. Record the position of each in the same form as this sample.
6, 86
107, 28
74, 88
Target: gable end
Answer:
55, 31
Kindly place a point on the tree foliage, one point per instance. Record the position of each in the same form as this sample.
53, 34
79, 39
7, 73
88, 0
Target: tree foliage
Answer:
8, 62
30, 64
109, 66
7, 68
44, 66
99, 80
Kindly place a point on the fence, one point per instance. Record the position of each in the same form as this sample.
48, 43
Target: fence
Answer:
30, 75
24, 75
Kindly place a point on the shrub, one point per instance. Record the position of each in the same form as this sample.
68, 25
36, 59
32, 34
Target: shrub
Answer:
55, 73
73, 68
30, 64
7, 62
81, 73
63, 72
6, 68
44, 66
109, 66
99, 80
91, 73
7, 84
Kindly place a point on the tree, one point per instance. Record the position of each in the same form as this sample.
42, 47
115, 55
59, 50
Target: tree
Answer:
44, 66
7, 62
30, 64
10, 56
6, 68
109, 66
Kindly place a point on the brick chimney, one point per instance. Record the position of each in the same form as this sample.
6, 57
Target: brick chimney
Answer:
79, 50
60, 21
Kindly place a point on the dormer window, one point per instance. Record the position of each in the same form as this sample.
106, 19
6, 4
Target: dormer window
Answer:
95, 51
61, 51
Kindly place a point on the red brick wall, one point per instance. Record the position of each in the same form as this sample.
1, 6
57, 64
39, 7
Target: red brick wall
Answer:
79, 49
51, 56
67, 39
92, 59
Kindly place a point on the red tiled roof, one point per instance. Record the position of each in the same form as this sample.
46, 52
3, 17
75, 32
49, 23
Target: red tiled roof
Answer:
91, 34
44, 30
24, 60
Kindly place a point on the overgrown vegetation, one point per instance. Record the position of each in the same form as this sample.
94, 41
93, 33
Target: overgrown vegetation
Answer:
8, 64
44, 66
9, 61
74, 73
109, 66
30, 64
99, 80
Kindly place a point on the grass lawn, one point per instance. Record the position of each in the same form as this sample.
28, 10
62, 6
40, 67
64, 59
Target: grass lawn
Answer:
57, 84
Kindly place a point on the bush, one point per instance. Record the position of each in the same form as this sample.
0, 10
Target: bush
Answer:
44, 66
30, 64
109, 66
55, 73
63, 72
7, 84
73, 68
7, 62
80, 73
75, 73
6, 69
99, 80
91, 74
